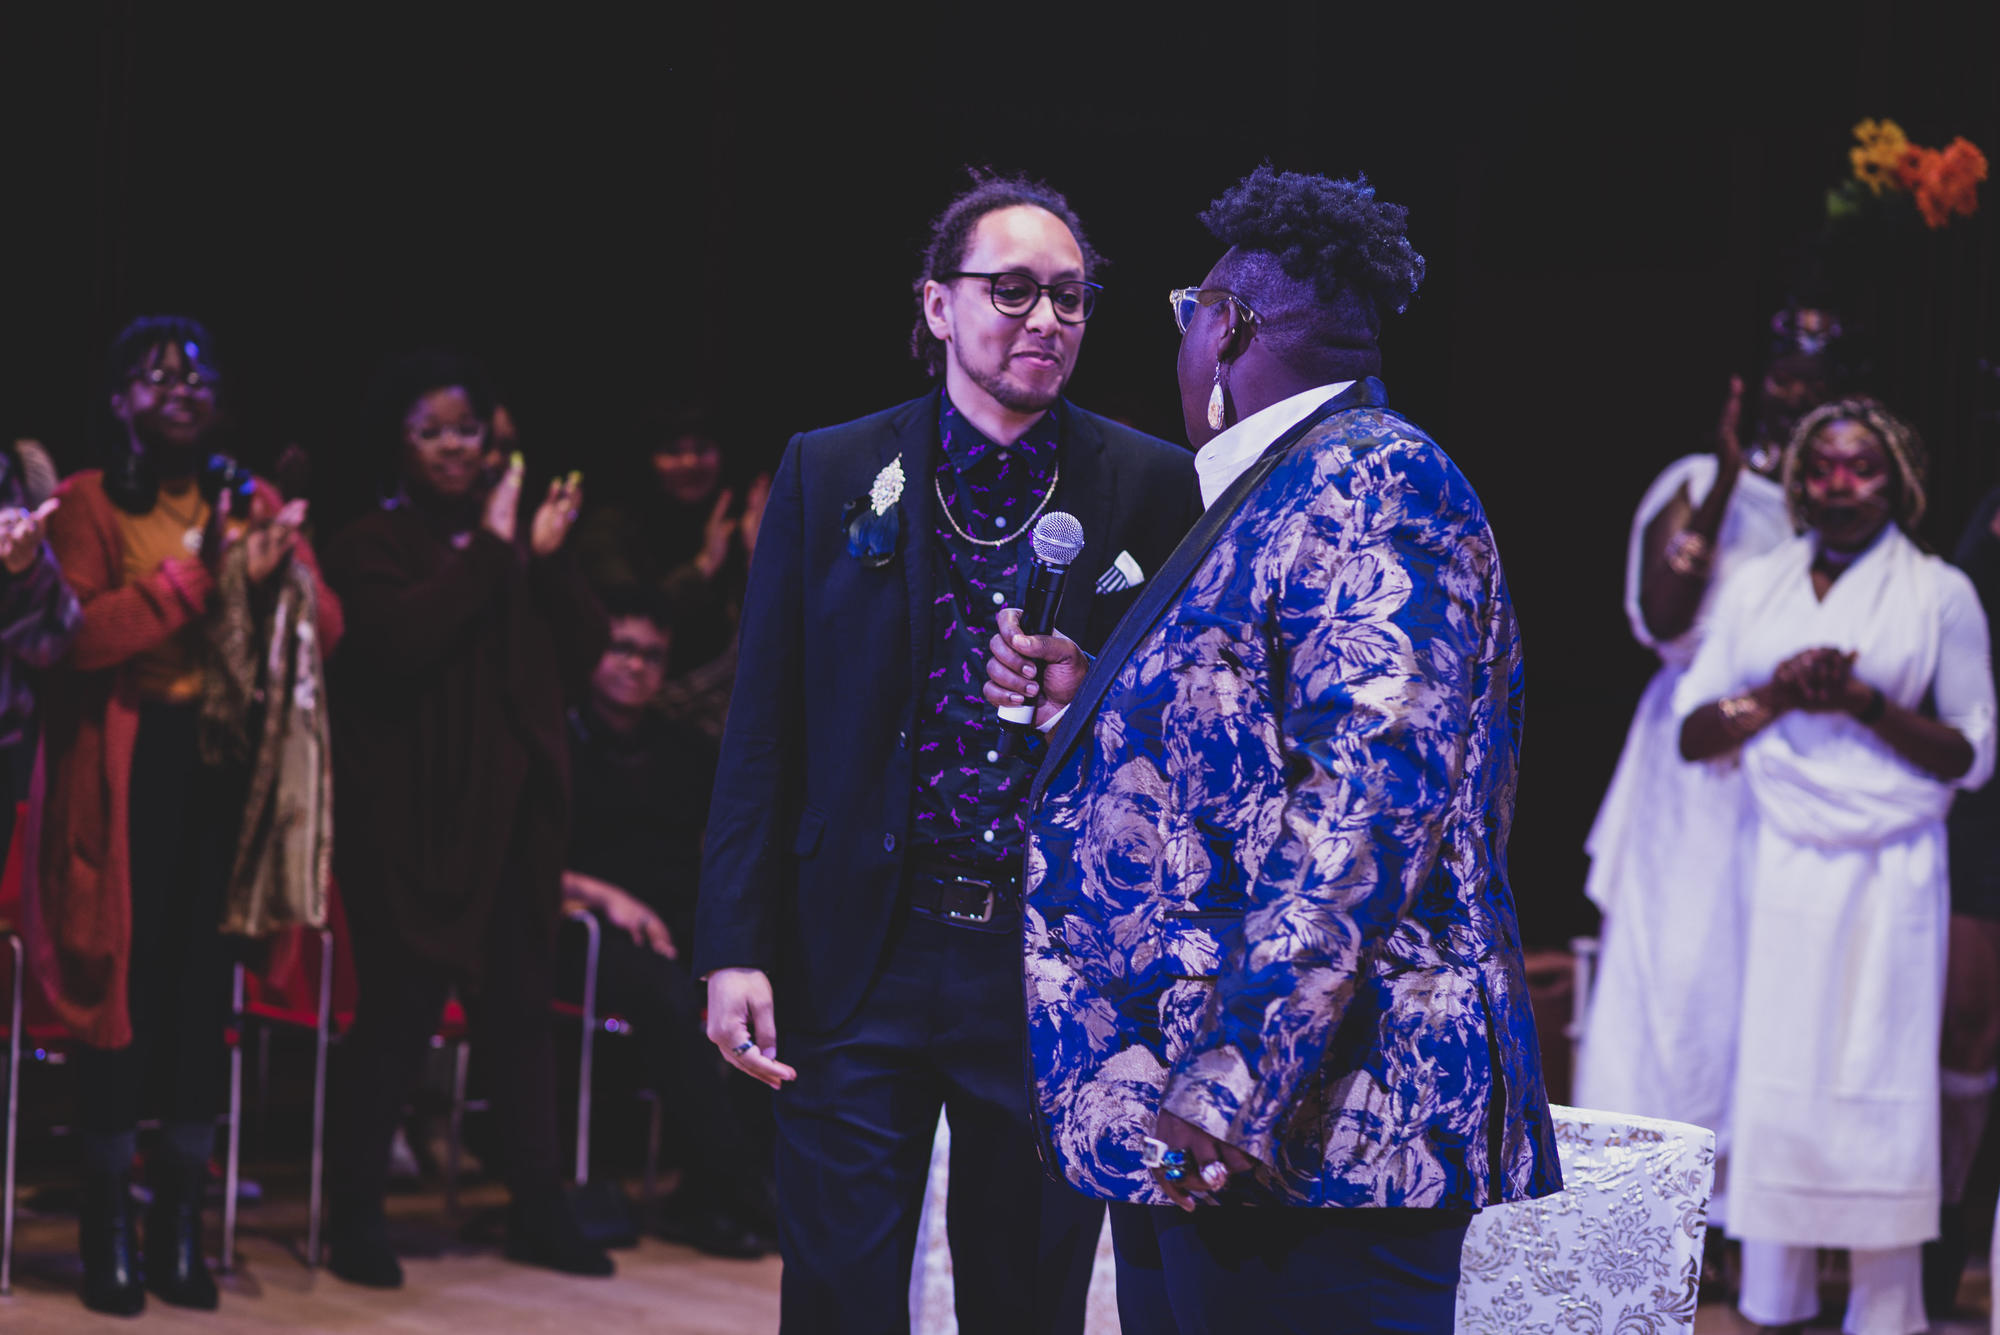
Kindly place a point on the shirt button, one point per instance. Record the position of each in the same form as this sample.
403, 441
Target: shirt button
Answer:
999, 598
888, 843
988, 836
902, 741
992, 757
999, 521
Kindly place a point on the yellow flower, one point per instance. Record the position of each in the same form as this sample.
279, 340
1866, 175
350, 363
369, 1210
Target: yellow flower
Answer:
1882, 147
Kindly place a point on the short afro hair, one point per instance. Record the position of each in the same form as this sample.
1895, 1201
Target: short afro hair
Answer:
1334, 236
951, 234
401, 382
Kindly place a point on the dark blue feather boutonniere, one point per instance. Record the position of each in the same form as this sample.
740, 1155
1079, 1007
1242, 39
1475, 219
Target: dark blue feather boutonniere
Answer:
872, 520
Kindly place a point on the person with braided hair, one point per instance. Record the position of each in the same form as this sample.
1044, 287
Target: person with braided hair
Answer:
1847, 672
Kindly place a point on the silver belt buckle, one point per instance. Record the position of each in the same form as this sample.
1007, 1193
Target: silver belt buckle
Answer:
985, 913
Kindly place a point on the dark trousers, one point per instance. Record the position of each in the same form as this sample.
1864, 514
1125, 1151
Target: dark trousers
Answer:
403, 994
721, 1118
183, 822
1223, 1269
943, 1026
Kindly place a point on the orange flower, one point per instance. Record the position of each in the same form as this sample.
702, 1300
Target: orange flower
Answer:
1945, 182
1881, 149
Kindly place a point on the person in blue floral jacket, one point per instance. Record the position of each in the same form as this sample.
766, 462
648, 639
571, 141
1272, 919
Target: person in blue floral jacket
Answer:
1272, 957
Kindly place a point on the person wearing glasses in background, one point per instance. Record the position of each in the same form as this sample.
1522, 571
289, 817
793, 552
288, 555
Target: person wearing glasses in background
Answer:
1276, 1004
859, 917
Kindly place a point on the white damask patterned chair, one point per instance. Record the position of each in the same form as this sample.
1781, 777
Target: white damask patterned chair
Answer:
1617, 1252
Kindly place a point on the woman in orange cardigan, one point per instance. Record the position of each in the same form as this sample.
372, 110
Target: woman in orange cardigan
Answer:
130, 835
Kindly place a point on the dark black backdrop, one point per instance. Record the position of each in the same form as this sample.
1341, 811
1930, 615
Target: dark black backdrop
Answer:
619, 205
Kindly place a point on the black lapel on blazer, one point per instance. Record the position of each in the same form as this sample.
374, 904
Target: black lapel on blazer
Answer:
1173, 576
915, 439
1085, 492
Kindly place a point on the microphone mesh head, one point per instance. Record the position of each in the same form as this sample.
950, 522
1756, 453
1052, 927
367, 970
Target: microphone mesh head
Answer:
1058, 538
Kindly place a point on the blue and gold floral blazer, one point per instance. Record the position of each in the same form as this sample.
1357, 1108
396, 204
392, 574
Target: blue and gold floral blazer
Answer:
1267, 885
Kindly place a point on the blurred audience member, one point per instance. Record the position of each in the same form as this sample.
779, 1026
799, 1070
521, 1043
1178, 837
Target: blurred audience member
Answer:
131, 835
1972, 969
642, 786
1849, 673
38, 613
681, 533
1660, 1037
454, 799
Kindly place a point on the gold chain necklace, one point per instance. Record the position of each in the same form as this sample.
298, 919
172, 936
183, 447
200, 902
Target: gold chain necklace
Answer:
1055, 475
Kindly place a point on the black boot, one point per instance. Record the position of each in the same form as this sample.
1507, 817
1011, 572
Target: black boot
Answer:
176, 1270
358, 1247
111, 1279
543, 1230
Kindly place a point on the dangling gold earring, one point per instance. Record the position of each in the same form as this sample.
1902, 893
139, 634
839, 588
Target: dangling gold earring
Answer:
1215, 401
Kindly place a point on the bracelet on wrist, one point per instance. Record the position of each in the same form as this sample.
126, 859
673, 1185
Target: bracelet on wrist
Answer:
1743, 714
1689, 553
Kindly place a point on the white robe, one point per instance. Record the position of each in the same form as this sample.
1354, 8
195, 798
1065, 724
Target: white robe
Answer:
1835, 1113
1660, 1037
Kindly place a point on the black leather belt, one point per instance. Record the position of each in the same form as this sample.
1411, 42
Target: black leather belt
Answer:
974, 895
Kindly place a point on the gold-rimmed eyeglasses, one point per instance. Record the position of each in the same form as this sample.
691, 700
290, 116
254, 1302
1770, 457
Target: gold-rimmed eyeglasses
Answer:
1186, 300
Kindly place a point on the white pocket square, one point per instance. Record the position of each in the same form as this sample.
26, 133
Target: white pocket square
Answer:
1123, 573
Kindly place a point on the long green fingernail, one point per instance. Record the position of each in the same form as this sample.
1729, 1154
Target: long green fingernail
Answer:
515, 460
575, 476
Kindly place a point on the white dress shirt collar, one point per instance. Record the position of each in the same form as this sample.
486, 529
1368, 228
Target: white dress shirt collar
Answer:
1224, 459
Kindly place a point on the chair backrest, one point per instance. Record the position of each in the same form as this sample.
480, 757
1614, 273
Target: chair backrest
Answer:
1619, 1247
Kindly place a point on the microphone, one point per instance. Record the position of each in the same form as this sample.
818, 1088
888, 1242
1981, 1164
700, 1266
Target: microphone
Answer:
1057, 541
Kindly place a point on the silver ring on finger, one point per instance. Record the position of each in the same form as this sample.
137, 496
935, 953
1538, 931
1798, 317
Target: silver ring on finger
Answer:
1214, 1174
744, 1046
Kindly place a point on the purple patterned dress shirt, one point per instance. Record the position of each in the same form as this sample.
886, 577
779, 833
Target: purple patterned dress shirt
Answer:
968, 803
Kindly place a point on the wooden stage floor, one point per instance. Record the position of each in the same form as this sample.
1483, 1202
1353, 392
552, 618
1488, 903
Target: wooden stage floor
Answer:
459, 1286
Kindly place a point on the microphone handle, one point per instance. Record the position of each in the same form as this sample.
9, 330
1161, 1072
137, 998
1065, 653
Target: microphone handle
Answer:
1038, 617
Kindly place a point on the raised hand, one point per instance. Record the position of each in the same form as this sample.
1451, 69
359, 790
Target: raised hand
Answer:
1729, 430
715, 536
754, 501
556, 514
21, 535
266, 543
503, 503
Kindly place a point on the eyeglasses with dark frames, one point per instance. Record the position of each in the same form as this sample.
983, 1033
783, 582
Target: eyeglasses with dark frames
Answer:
1017, 293
1185, 301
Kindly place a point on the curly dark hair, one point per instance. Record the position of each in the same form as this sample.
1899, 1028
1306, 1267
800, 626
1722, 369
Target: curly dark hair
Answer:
1324, 253
137, 340
401, 382
951, 233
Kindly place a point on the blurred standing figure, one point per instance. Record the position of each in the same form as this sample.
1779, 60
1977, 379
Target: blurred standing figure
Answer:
131, 836
1660, 1039
1848, 672
452, 777
680, 535
642, 792
38, 613
1972, 972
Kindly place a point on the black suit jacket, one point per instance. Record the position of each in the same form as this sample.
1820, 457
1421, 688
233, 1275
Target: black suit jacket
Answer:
812, 809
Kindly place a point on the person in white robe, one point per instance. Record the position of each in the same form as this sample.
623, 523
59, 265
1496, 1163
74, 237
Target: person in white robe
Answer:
1849, 672
1659, 1037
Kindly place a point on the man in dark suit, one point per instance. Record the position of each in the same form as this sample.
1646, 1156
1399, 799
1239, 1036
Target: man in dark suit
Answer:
863, 869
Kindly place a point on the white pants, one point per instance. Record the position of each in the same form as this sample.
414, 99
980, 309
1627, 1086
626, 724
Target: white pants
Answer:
1885, 1293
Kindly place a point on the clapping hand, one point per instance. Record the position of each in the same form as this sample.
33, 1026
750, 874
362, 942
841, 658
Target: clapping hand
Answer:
21, 535
268, 538
1820, 681
556, 514
1728, 430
